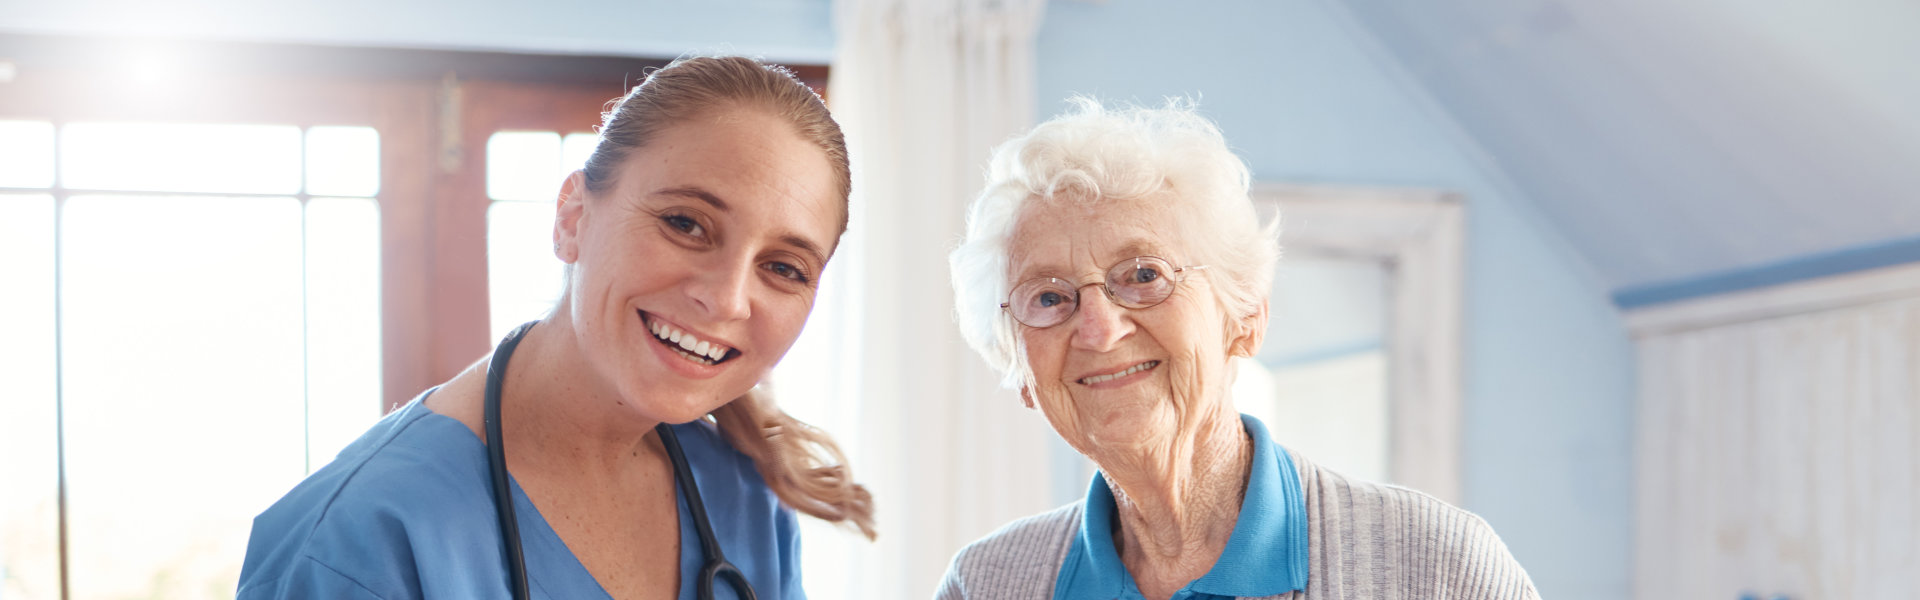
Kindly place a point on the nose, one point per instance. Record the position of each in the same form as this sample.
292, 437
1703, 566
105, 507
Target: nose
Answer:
1099, 324
721, 290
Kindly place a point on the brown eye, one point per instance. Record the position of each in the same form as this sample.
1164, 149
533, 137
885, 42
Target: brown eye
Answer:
683, 224
788, 271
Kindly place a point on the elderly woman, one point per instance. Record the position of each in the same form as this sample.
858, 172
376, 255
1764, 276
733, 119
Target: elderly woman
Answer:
1112, 269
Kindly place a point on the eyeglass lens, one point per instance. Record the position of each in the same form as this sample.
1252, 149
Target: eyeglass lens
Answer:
1133, 283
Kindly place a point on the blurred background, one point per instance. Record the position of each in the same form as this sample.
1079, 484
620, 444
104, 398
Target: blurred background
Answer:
1637, 282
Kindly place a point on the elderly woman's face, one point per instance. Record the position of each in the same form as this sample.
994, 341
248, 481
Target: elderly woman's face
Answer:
1111, 378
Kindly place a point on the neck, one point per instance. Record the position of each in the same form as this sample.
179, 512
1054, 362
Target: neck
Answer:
1177, 507
558, 412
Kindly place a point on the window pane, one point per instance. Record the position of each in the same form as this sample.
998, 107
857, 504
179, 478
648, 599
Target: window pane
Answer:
29, 517
182, 386
1334, 409
523, 275
575, 150
26, 154
523, 165
343, 161
343, 324
177, 157
1320, 379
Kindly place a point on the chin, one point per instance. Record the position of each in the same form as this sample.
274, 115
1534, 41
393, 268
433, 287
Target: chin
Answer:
1128, 425
665, 406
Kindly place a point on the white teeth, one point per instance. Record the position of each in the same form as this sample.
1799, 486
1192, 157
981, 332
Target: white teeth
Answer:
693, 359
1130, 370
693, 348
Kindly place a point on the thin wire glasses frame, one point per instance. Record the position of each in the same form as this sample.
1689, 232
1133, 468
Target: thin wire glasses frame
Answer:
1135, 283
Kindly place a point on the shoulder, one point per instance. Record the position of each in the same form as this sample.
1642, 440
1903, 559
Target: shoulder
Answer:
1409, 531
408, 483
1018, 560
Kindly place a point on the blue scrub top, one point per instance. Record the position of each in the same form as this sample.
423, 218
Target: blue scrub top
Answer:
406, 511
1265, 556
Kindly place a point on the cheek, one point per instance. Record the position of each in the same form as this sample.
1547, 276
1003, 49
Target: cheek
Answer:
1056, 404
782, 318
1044, 352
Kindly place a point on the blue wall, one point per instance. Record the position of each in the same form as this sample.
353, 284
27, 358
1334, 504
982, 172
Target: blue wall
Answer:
1305, 96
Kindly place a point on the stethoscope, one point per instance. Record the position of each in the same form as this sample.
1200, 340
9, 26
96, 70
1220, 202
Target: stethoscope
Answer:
716, 562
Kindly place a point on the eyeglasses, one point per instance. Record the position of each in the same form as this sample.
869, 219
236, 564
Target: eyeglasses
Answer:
1138, 282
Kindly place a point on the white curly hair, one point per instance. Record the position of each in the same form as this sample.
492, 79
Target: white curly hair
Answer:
1093, 154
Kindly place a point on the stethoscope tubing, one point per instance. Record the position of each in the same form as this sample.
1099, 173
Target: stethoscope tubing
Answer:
716, 561
497, 464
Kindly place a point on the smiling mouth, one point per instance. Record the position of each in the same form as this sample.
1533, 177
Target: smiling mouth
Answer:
694, 349
1130, 370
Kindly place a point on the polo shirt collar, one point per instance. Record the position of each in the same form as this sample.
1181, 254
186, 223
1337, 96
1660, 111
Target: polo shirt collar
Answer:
1266, 555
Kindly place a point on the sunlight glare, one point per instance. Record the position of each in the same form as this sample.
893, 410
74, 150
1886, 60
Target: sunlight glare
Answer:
181, 157
183, 385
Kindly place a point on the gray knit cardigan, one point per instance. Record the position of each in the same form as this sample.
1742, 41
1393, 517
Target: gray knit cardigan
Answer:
1366, 540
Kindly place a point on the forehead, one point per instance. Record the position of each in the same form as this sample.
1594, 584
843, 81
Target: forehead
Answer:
1065, 237
755, 163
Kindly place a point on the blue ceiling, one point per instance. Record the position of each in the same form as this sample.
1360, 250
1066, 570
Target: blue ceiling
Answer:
1675, 143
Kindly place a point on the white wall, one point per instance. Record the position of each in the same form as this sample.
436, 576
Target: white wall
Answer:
1304, 96
781, 30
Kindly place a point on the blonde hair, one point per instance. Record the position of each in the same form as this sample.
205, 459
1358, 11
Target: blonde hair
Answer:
1092, 154
800, 463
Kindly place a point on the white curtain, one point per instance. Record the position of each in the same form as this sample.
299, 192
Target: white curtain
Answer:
924, 89
1782, 456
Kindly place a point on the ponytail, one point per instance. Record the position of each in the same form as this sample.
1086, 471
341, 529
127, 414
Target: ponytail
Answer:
799, 462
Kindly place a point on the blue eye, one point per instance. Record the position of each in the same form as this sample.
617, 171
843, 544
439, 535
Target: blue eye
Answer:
1050, 299
1145, 275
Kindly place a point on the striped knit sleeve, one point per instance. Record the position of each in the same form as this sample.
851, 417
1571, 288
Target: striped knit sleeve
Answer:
1020, 561
1469, 560
1369, 540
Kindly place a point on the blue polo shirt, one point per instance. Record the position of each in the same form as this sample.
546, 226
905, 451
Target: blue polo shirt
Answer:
1265, 556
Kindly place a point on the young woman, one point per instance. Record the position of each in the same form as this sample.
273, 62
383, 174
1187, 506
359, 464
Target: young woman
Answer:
578, 460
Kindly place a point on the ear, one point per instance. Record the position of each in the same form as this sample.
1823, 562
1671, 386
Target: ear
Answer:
570, 212
1245, 334
1026, 396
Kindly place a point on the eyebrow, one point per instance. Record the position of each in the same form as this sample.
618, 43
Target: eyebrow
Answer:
805, 245
1132, 248
696, 193
1138, 247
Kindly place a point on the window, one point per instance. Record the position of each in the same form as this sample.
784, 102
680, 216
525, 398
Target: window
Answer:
1319, 382
217, 336
524, 170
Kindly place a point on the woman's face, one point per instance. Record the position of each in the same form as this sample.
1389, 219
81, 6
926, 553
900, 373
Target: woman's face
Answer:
693, 274
1173, 356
